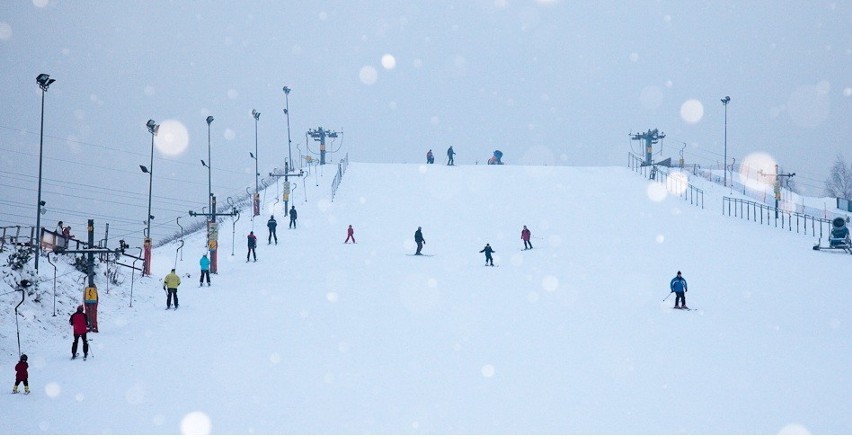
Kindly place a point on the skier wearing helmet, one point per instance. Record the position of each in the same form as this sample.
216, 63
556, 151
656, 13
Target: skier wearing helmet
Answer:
21, 375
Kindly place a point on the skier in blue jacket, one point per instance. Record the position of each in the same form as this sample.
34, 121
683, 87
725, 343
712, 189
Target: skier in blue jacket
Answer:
204, 263
678, 286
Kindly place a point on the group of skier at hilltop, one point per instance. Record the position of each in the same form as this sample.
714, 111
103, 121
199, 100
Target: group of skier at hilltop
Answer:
430, 158
495, 159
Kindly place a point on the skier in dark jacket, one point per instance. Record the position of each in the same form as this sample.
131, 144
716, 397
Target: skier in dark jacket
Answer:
80, 323
430, 158
293, 216
678, 286
21, 375
418, 238
450, 154
488, 250
272, 225
252, 244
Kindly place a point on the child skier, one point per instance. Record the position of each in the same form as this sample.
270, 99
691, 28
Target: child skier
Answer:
22, 376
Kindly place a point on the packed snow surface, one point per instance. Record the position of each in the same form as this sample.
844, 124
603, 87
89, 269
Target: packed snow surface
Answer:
574, 336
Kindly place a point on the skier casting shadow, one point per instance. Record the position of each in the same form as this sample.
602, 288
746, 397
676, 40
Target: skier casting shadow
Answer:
418, 238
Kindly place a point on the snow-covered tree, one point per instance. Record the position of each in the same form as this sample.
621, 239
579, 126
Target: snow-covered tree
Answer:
839, 181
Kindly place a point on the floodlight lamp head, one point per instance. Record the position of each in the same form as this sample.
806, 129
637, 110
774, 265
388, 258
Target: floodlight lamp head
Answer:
209, 120
725, 100
152, 126
256, 114
44, 81
286, 90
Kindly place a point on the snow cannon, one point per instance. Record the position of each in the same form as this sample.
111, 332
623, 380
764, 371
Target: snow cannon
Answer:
839, 238
496, 159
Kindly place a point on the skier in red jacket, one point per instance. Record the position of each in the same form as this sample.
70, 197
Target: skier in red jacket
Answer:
21, 375
80, 322
525, 235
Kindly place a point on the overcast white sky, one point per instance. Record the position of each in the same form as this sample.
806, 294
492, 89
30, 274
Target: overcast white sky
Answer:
553, 82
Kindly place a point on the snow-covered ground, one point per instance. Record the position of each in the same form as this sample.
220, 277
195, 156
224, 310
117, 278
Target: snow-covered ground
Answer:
321, 337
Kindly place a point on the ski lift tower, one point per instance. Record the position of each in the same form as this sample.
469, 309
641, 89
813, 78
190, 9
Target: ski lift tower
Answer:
320, 135
650, 137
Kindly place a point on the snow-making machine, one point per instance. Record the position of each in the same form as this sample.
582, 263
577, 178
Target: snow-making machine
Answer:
839, 238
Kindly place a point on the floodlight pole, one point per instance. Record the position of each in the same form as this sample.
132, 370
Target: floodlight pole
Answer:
209, 169
152, 128
287, 112
725, 101
256, 118
256, 197
44, 82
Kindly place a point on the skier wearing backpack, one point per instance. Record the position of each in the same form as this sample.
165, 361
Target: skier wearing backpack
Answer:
678, 286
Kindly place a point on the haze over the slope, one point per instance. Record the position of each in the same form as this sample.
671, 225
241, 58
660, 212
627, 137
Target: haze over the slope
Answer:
551, 82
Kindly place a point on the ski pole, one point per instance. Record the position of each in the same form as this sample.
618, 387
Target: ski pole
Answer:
667, 297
